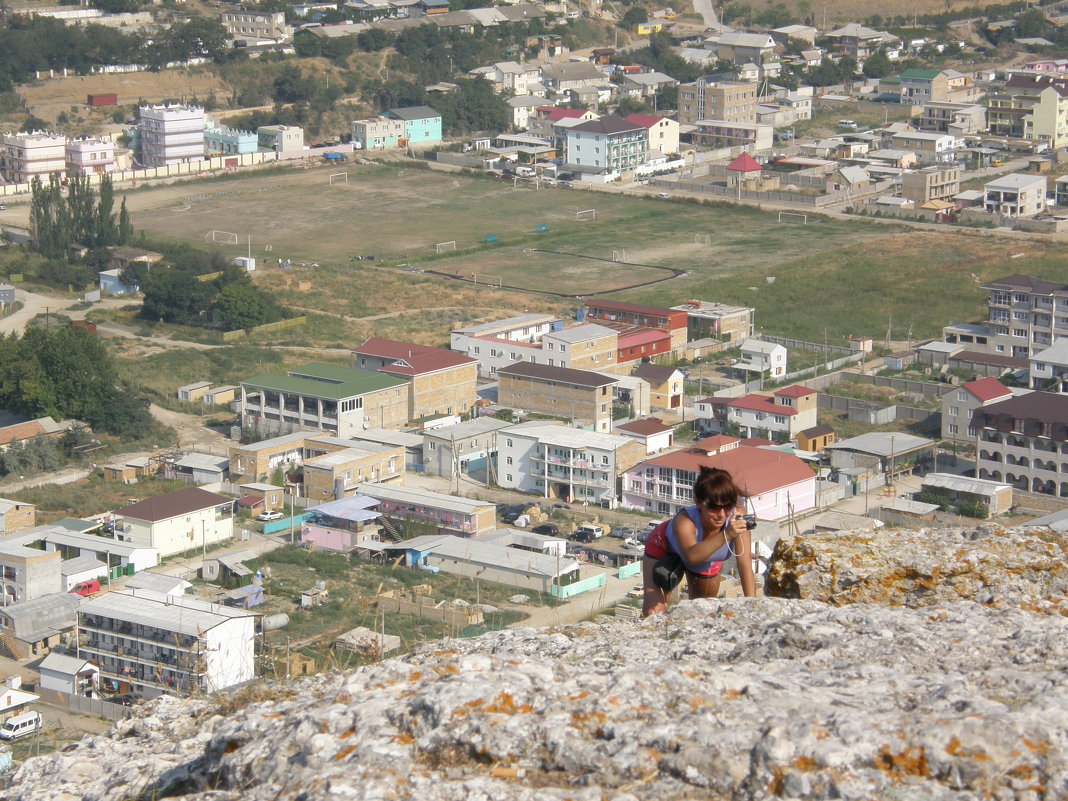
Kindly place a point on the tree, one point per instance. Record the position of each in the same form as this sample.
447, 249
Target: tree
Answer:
633, 16
242, 306
107, 232
878, 65
174, 296
125, 232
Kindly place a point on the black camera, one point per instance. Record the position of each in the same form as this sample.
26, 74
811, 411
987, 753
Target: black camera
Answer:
750, 521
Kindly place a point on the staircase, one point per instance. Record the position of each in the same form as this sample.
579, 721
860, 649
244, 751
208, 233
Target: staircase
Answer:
10, 647
388, 530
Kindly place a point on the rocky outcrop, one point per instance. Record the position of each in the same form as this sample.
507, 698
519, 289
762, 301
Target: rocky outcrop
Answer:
739, 699
1022, 568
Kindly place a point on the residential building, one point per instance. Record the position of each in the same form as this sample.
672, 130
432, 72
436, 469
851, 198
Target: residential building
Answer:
342, 525
90, 155
342, 465
566, 76
778, 417
432, 512
544, 118
183, 520
652, 432
929, 147
716, 98
440, 381
581, 396
33, 628
741, 47
922, 86
258, 460
815, 439
859, 42
1023, 441
717, 320
931, 183
960, 403
171, 134
661, 133
521, 328
152, 644
68, 674
672, 321
1031, 106
422, 125
462, 448
244, 24
885, 454
805, 33
1016, 195
20, 432
582, 347
995, 496
272, 497
1025, 313
378, 132
27, 573
777, 485
339, 400
607, 145
281, 138
197, 468
636, 344
191, 393
522, 110
645, 85
716, 133
1049, 370
37, 154
222, 141
519, 79
68, 537
666, 384
957, 119
767, 359
558, 461
16, 516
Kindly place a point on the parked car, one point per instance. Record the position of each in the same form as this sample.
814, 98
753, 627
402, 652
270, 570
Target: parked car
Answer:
21, 725
622, 532
266, 517
637, 591
85, 588
548, 529
126, 699
632, 544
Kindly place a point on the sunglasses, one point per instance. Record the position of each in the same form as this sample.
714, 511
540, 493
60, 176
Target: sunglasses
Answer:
718, 507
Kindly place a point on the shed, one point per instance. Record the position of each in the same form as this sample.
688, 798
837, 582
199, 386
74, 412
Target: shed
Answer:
365, 641
68, 674
81, 568
245, 597
227, 567
996, 496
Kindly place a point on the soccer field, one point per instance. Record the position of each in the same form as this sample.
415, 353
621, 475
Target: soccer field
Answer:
826, 279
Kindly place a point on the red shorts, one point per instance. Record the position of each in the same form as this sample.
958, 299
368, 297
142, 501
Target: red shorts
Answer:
657, 547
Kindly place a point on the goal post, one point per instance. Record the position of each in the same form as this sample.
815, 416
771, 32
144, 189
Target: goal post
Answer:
491, 280
338, 178
702, 239
585, 214
225, 237
794, 217
444, 247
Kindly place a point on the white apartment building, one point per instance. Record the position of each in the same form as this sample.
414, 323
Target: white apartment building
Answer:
539, 339
150, 643
768, 359
778, 417
960, 403
1016, 195
90, 155
179, 521
256, 24
33, 155
557, 461
171, 134
607, 145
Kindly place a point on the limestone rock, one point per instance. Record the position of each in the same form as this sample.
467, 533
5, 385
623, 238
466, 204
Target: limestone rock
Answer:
1004, 568
736, 700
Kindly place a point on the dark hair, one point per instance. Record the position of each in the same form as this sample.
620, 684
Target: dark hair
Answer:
715, 487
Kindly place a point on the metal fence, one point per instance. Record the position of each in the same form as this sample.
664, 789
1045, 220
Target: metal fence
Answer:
80, 705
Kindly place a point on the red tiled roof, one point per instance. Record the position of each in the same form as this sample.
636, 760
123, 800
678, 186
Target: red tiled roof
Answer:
173, 504
411, 359
761, 403
644, 120
566, 114
756, 442
647, 427
796, 391
745, 163
986, 389
755, 470
644, 336
716, 442
250, 501
20, 431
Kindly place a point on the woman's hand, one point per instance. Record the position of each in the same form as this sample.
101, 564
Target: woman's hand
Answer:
735, 527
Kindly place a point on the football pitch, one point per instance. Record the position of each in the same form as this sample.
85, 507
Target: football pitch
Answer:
827, 279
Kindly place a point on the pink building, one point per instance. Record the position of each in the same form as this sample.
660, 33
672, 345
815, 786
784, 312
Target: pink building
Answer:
777, 483
88, 155
341, 525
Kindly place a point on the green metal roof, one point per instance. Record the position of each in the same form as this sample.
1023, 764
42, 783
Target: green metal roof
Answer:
325, 381
922, 75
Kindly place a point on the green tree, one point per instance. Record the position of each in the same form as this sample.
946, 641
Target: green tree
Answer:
241, 306
878, 65
633, 16
126, 229
174, 296
107, 231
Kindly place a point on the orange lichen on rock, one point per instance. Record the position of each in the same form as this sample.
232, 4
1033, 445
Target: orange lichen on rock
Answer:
910, 762
504, 704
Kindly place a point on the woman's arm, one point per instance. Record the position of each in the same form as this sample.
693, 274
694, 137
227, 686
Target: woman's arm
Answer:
692, 551
744, 548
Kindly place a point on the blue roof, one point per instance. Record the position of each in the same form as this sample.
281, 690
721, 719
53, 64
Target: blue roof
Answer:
354, 508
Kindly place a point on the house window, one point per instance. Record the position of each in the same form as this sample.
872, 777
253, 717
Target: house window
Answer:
508, 442
1019, 332
433, 445
508, 460
508, 477
952, 428
954, 411
962, 395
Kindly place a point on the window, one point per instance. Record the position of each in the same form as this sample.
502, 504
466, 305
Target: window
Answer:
952, 428
508, 442
954, 411
1019, 332
508, 477
508, 460
604, 460
962, 395
1021, 315
433, 445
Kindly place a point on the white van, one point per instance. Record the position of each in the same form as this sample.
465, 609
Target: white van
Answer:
21, 725
847, 124
589, 532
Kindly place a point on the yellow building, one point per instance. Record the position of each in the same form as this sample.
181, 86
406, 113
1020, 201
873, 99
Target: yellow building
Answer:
581, 396
646, 28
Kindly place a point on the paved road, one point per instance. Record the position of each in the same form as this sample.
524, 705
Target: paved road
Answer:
705, 9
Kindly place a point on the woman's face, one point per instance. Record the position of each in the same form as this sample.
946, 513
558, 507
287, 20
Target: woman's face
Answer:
715, 517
